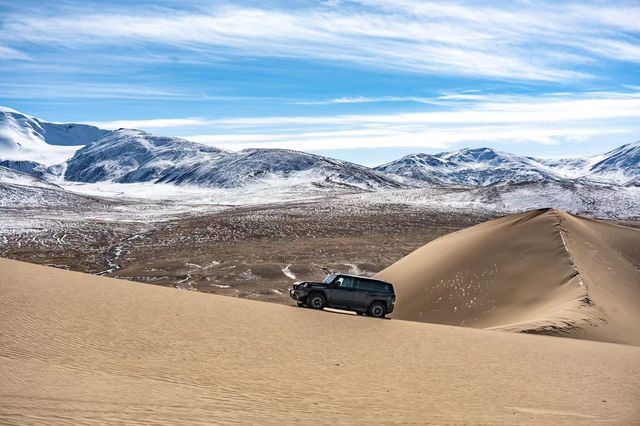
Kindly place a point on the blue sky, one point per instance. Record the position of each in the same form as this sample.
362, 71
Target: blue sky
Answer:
367, 81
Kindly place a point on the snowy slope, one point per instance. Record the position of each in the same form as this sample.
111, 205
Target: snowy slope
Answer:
21, 190
23, 137
13, 177
133, 156
127, 156
241, 168
485, 166
621, 165
33, 168
593, 200
472, 167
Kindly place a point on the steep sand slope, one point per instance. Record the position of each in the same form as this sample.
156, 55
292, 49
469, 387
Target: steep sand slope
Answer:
608, 260
543, 271
79, 348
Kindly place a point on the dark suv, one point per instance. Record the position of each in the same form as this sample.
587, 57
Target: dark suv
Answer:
350, 292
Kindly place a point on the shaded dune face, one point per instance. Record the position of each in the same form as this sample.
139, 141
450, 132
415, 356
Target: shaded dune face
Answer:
543, 271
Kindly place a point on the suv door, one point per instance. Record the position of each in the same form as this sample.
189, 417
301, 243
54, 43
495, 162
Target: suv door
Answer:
367, 291
341, 292
360, 295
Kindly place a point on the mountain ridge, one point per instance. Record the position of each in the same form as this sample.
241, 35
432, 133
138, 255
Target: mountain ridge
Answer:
84, 153
487, 166
133, 156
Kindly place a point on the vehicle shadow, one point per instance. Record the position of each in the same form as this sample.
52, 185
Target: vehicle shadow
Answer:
341, 312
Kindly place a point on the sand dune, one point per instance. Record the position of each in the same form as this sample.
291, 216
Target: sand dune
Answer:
544, 271
78, 348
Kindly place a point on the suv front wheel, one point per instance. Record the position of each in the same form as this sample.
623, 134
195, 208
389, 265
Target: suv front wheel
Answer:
316, 301
377, 309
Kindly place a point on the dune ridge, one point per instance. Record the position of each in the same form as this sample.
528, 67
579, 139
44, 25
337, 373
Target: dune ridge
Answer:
84, 349
543, 271
575, 314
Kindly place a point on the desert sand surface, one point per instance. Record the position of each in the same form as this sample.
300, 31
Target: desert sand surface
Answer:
543, 271
83, 349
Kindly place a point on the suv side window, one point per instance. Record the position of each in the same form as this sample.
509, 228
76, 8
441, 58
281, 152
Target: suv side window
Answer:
368, 285
347, 282
365, 285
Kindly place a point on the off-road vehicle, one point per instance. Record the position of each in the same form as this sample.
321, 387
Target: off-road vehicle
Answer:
350, 292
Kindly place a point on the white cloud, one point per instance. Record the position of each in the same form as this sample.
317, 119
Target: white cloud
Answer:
10, 53
433, 139
524, 41
156, 123
507, 119
368, 100
512, 109
55, 90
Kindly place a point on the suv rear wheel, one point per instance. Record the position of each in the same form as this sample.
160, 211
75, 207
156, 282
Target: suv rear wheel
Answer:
316, 301
377, 309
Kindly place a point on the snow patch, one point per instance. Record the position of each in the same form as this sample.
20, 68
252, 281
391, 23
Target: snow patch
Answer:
288, 272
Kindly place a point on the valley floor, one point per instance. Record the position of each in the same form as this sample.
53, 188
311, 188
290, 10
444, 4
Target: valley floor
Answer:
252, 251
252, 246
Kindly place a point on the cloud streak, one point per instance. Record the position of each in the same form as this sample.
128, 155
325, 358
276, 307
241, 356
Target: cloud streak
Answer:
594, 106
370, 100
541, 41
549, 119
64, 90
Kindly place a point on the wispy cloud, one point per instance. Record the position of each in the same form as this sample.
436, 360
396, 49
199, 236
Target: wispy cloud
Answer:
466, 96
64, 90
549, 119
510, 110
520, 41
8, 53
152, 124
78, 90
369, 100
430, 139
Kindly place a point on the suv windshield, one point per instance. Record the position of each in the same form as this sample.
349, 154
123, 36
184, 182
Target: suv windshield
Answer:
329, 278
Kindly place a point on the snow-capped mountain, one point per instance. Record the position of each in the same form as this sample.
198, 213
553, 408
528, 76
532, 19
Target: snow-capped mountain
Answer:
485, 166
471, 167
240, 168
129, 156
23, 137
621, 165
83, 153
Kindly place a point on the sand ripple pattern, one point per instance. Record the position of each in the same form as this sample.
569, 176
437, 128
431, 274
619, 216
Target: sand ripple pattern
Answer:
82, 349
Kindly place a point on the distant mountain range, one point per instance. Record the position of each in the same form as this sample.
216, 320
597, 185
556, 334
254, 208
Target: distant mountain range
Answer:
128, 156
82, 153
485, 166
